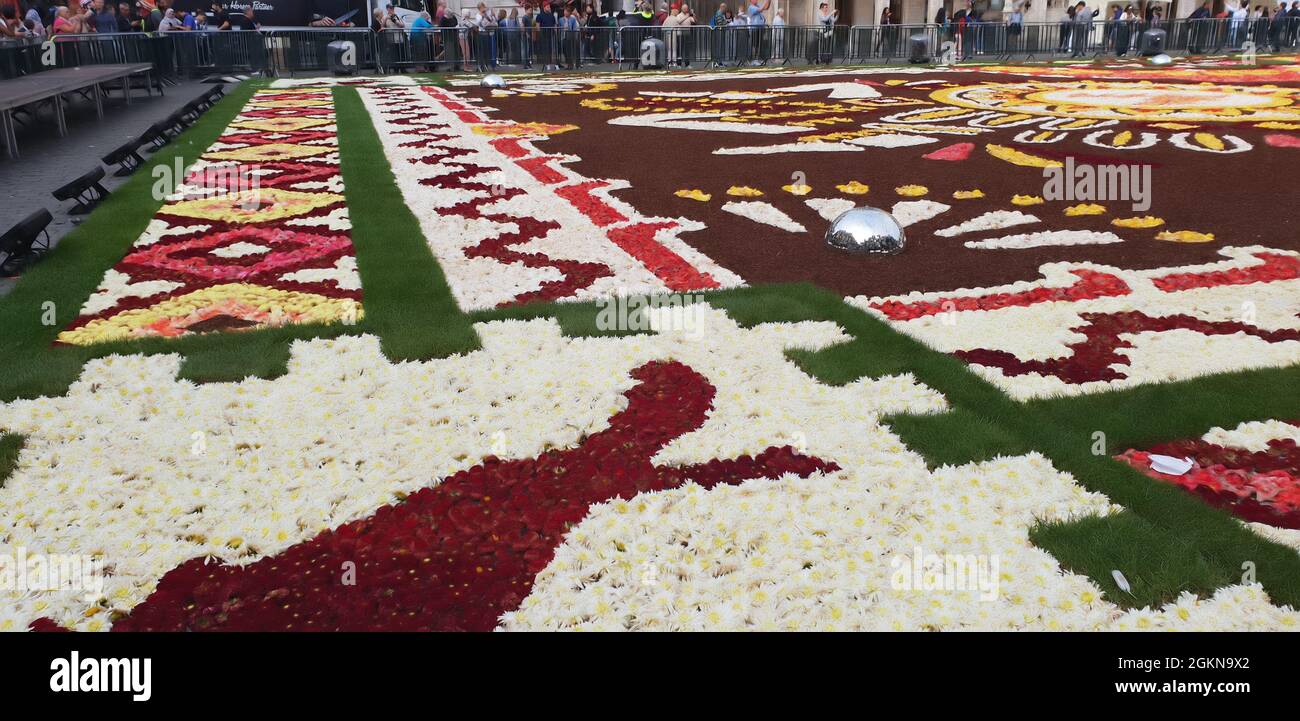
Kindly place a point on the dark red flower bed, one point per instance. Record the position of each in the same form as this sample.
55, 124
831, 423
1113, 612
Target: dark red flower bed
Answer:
1261, 486
1094, 358
457, 555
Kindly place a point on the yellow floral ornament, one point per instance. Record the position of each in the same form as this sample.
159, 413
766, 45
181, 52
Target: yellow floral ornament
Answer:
1208, 140
520, 130
1016, 157
1085, 209
911, 191
743, 191
1184, 236
1026, 199
694, 194
853, 187
968, 194
797, 188
1145, 221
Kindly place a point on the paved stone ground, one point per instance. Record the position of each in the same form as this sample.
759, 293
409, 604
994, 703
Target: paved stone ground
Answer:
47, 161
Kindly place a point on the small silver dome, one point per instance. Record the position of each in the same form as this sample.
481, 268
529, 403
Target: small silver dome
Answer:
866, 230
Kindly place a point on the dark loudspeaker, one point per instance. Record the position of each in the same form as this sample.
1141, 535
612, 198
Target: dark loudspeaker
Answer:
918, 49
1153, 42
654, 54
342, 57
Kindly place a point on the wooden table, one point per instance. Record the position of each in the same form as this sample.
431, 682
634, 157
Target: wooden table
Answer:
52, 85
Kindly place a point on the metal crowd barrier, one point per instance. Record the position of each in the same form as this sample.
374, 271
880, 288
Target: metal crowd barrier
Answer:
304, 50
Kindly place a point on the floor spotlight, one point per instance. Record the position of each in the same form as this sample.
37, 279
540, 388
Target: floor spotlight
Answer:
175, 123
191, 111
25, 242
86, 190
127, 157
155, 136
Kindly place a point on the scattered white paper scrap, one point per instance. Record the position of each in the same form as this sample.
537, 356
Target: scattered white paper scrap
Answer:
1169, 465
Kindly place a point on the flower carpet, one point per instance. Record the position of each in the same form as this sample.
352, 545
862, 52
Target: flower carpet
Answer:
414, 354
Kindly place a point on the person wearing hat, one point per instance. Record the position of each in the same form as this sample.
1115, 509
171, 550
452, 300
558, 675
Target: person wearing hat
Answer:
85, 16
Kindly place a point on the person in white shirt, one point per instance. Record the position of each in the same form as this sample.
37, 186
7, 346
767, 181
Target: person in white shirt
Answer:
1238, 23
33, 17
826, 19
685, 19
672, 36
778, 34
170, 23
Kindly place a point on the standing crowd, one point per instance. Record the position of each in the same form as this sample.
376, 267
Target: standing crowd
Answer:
565, 33
40, 19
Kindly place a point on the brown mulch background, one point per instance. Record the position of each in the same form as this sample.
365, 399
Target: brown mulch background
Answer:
1243, 199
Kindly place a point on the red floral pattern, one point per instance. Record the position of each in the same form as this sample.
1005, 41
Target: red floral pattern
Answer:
1260, 486
457, 555
1274, 267
1091, 285
624, 230
1095, 357
291, 224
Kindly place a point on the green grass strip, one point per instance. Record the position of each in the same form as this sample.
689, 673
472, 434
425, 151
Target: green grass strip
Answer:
408, 301
955, 438
1157, 564
10, 445
1142, 416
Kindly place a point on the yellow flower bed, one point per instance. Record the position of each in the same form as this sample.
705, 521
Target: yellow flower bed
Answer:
1184, 236
1145, 221
1085, 209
